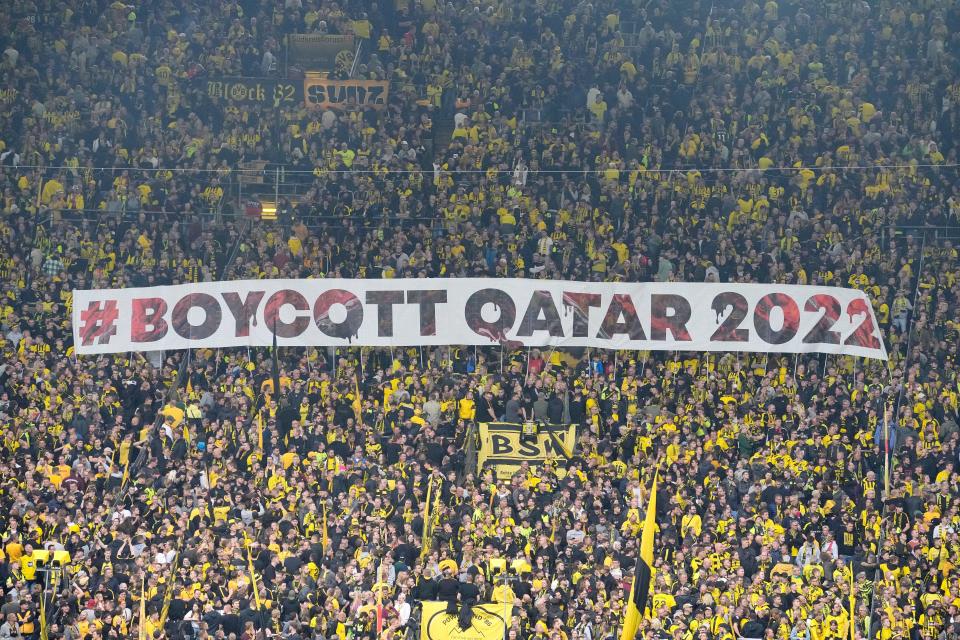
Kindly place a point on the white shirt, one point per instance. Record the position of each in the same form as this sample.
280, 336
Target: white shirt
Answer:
121, 514
268, 63
575, 537
12, 55
520, 175
403, 612
592, 96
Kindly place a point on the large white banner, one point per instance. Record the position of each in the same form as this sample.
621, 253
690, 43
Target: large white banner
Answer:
663, 316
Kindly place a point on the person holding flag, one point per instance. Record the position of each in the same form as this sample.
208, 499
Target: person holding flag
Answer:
643, 573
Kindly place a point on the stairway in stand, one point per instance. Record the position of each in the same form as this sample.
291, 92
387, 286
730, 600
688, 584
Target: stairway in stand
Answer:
262, 187
443, 127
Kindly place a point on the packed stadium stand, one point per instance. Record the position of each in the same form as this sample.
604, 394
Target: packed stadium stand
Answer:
182, 496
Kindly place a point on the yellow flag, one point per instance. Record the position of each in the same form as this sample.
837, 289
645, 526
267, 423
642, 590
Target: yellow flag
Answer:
325, 540
357, 405
943, 561
168, 595
425, 541
640, 588
43, 617
260, 430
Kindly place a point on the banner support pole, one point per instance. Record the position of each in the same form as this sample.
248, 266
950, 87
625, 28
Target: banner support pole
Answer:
507, 606
886, 452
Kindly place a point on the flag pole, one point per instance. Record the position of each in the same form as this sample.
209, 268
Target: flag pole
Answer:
357, 404
143, 609
253, 576
168, 593
642, 575
275, 365
887, 416
43, 616
379, 587
853, 602
507, 610
325, 540
424, 544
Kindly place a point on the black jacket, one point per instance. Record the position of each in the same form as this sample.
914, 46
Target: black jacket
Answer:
448, 589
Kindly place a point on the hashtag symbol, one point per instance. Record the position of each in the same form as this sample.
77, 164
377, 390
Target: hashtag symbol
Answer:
98, 322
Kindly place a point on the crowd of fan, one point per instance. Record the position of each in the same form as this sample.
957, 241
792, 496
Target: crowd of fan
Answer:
804, 143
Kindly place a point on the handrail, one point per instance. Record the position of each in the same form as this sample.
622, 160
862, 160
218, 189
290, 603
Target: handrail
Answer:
470, 452
311, 221
889, 455
577, 170
931, 233
356, 57
233, 251
930, 227
134, 465
99, 211
172, 393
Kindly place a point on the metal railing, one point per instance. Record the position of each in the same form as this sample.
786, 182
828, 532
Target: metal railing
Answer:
931, 232
890, 456
172, 394
214, 217
90, 214
470, 452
